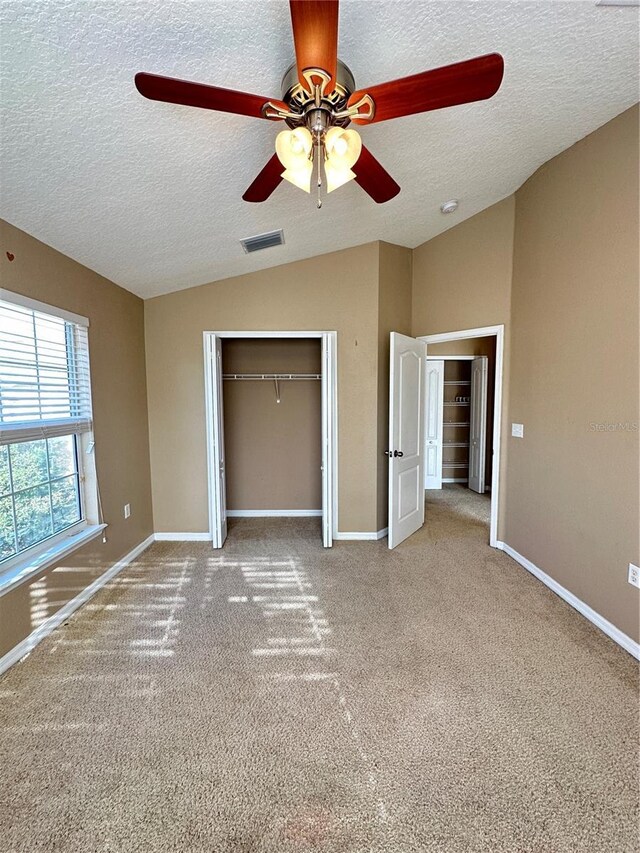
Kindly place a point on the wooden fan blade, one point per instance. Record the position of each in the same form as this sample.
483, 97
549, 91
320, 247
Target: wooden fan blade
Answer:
461, 83
374, 178
190, 94
266, 182
315, 35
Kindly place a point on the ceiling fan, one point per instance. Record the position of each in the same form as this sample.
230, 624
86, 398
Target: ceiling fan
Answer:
319, 101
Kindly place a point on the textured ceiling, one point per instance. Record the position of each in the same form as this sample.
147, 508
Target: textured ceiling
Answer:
149, 194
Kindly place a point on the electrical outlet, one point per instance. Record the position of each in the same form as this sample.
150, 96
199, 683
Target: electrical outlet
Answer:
517, 430
634, 575
127, 510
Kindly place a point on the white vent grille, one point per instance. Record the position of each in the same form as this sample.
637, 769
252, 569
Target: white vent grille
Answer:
262, 241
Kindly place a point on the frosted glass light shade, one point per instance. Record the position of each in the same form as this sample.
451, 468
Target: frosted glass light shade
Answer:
293, 148
300, 176
343, 147
336, 177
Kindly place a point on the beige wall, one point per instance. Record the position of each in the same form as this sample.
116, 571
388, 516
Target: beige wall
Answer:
462, 280
120, 413
272, 449
394, 315
572, 491
334, 292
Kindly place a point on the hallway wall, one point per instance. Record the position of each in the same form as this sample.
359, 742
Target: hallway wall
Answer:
462, 280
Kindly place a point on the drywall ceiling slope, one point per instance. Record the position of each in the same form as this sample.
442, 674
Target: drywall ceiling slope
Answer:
149, 194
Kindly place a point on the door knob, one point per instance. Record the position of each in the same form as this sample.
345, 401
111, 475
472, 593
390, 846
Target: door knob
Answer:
398, 453
388, 453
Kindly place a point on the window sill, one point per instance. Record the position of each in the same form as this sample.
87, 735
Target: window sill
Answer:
33, 564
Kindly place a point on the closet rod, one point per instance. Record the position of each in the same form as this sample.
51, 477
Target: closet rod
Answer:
270, 377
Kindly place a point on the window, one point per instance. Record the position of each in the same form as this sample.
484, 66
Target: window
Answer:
45, 426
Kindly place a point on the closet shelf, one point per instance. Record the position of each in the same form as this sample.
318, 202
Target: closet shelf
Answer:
455, 464
456, 382
447, 403
455, 444
271, 377
455, 423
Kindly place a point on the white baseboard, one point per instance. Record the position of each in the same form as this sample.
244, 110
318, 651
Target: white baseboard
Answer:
182, 537
367, 535
274, 513
589, 613
27, 645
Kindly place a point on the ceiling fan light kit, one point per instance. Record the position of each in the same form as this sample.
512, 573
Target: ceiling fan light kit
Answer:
320, 100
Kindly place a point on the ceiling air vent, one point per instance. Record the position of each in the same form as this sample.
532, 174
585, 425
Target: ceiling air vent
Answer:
262, 241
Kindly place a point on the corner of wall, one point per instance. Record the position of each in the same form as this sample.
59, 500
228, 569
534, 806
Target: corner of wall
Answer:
394, 315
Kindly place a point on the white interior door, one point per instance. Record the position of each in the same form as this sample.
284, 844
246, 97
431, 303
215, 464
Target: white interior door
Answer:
433, 429
406, 437
478, 423
328, 390
215, 445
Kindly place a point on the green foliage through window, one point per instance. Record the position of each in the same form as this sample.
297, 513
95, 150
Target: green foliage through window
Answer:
39, 492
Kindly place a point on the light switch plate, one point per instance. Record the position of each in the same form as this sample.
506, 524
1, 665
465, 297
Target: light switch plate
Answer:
517, 430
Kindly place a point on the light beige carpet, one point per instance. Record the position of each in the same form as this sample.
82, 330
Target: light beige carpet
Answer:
280, 697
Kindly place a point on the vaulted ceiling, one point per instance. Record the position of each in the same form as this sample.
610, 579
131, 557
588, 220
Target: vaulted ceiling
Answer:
149, 194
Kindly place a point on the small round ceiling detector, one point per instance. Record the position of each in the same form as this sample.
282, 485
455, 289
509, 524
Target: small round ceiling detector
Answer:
449, 206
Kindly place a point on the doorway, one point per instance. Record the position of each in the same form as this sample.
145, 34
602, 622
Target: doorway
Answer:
458, 351
270, 363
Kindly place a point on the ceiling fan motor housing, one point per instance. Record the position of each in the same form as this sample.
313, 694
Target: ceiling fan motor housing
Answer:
317, 117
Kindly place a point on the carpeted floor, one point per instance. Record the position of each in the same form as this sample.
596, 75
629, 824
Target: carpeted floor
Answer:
279, 697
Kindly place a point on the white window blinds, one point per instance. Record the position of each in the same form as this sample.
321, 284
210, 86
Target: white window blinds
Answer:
45, 389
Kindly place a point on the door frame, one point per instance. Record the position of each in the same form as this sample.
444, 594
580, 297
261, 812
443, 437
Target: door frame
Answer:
484, 332
329, 371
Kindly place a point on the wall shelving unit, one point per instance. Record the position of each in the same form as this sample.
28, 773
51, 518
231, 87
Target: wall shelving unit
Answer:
455, 446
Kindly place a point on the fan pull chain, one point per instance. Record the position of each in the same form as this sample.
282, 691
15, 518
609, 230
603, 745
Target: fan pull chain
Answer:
319, 147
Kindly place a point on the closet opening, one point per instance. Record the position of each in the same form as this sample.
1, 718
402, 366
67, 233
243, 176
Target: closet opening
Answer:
271, 422
272, 428
462, 420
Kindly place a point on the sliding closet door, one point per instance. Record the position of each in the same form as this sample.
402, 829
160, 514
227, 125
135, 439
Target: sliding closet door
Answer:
215, 442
